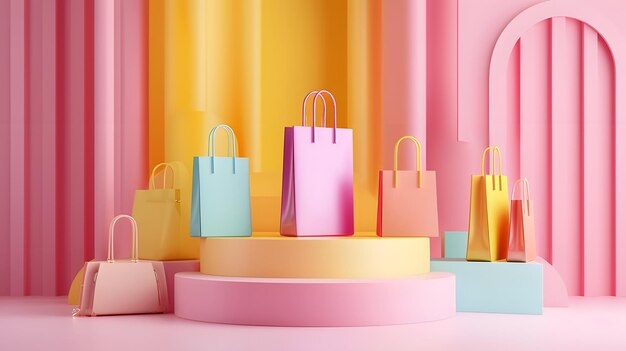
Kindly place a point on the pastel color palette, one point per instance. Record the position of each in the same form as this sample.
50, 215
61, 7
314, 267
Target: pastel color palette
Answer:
496, 287
315, 302
95, 93
454, 245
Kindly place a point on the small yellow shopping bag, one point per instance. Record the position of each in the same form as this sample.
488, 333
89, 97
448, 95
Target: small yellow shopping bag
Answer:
158, 215
489, 213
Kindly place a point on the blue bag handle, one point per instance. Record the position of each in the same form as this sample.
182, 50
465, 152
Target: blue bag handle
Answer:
231, 139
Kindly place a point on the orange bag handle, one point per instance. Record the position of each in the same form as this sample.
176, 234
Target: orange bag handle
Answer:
525, 194
494, 150
166, 165
134, 256
418, 160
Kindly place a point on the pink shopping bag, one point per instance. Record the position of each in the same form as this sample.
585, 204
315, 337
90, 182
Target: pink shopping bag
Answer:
317, 195
115, 287
522, 232
407, 200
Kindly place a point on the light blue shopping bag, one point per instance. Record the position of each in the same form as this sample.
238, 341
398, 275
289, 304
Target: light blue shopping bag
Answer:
220, 198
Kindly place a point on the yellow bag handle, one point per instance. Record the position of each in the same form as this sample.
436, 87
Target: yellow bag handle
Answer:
418, 160
166, 165
495, 151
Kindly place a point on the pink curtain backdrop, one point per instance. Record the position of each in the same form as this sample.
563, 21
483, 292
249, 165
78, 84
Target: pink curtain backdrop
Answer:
72, 134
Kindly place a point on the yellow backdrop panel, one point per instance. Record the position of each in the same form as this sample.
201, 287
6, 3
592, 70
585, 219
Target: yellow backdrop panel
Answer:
249, 64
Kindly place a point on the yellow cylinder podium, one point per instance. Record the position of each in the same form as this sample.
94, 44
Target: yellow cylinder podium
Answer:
269, 255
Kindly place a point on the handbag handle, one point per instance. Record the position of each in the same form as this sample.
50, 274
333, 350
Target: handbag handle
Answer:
418, 160
525, 194
306, 98
494, 150
231, 139
320, 93
134, 256
166, 165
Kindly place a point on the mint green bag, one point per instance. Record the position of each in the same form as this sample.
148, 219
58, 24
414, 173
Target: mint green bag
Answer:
220, 197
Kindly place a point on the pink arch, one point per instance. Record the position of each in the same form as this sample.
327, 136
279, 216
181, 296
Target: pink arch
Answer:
588, 14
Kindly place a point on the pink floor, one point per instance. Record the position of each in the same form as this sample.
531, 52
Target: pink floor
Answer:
38, 323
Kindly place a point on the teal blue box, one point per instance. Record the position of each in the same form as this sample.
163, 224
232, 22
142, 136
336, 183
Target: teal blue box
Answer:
454, 245
495, 287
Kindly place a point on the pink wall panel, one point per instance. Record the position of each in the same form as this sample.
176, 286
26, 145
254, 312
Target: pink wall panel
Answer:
535, 161
74, 139
104, 125
512, 143
50, 276
48, 136
453, 172
5, 142
478, 31
566, 148
133, 102
598, 156
120, 115
33, 147
403, 75
34, 209
17, 164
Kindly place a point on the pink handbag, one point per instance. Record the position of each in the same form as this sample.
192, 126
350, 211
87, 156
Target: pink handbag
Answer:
114, 287
317, 196
522, 230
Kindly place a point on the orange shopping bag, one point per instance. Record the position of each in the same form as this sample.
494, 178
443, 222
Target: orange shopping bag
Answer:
522, 233
489, 213
407, 200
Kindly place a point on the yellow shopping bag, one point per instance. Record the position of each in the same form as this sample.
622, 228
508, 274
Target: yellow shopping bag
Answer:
158, 216
489, 213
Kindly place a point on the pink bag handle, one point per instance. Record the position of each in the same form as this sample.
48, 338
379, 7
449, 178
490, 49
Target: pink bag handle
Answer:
135, 249
525, 194
494, 151
232, 141
306, 98
319, 93
166, 165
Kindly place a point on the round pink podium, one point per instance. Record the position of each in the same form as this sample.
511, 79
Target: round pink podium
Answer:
315, 302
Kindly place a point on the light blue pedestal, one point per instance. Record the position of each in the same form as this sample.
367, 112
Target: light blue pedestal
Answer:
496, 287
454, 245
